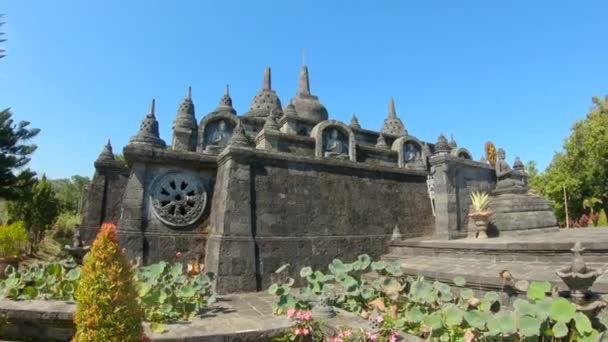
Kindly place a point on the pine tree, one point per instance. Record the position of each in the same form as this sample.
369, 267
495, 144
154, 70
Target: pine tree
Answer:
14, 154
107, 308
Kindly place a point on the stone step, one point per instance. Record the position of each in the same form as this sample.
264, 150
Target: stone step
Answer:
549, 247
484, 275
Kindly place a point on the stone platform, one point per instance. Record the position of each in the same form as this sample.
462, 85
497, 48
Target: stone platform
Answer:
530, 257
237, 317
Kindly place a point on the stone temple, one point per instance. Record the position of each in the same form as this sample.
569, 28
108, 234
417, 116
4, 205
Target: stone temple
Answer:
286, 184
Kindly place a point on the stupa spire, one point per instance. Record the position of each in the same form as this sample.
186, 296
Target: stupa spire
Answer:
184, 126
267, 85
392, 113
148, 131
304, 84
392, 124
106, 153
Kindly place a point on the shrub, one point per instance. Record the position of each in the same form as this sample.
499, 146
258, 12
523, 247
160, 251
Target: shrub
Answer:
13, 239
583, 221
66, 225
107, 308
602, 221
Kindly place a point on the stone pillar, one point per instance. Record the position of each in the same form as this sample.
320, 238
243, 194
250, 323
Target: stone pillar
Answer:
104, 197
231, 249
446, 220
132, 221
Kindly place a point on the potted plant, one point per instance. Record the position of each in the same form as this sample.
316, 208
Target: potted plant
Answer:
481, 214
13, 238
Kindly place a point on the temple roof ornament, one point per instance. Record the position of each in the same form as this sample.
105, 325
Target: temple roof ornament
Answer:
238, 138
354, 122
266, 99
148, 131
307, 106
225, 103
106, 153
271, 123
185, 117
381, 142
442, 145
392, 124
290, 110
518, 164
452, 142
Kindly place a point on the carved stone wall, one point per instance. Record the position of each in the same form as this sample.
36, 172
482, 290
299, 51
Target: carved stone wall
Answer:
163, 184
270, 209
104, 198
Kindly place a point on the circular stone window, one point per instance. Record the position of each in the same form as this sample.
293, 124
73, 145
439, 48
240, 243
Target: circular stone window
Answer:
178, 199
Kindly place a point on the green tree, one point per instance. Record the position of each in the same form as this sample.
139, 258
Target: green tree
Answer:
14, 154
37, 207
71, 192
534, 179
582, 165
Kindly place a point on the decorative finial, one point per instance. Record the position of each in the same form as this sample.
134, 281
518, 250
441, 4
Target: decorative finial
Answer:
381, 142
392, 124
226, 102
106, 153
238, 138
290, 110
271, 122
392, 113
189, 94
267, 85
442, 147
452, 142
148, 130
304, 84
518, 164
354, 122
152, 106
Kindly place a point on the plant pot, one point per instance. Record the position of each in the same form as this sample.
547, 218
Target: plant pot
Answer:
482, 219
4, 262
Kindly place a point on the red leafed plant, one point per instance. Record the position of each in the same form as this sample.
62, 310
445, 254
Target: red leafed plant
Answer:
107, 308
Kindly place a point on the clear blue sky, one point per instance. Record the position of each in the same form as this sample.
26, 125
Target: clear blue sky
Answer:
518, 73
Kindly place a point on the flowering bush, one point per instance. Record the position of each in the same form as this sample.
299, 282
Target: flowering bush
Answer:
305, 328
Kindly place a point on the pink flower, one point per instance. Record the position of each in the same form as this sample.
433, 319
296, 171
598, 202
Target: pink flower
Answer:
305, 331
346, 333
291, 313
379, 319
298, 331
178, 255
392, 338
304, 315
307, 315
371, 337
336, 339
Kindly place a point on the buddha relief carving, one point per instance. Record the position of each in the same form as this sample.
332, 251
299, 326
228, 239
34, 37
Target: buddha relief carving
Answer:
217, 134
335, 144
411, 152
